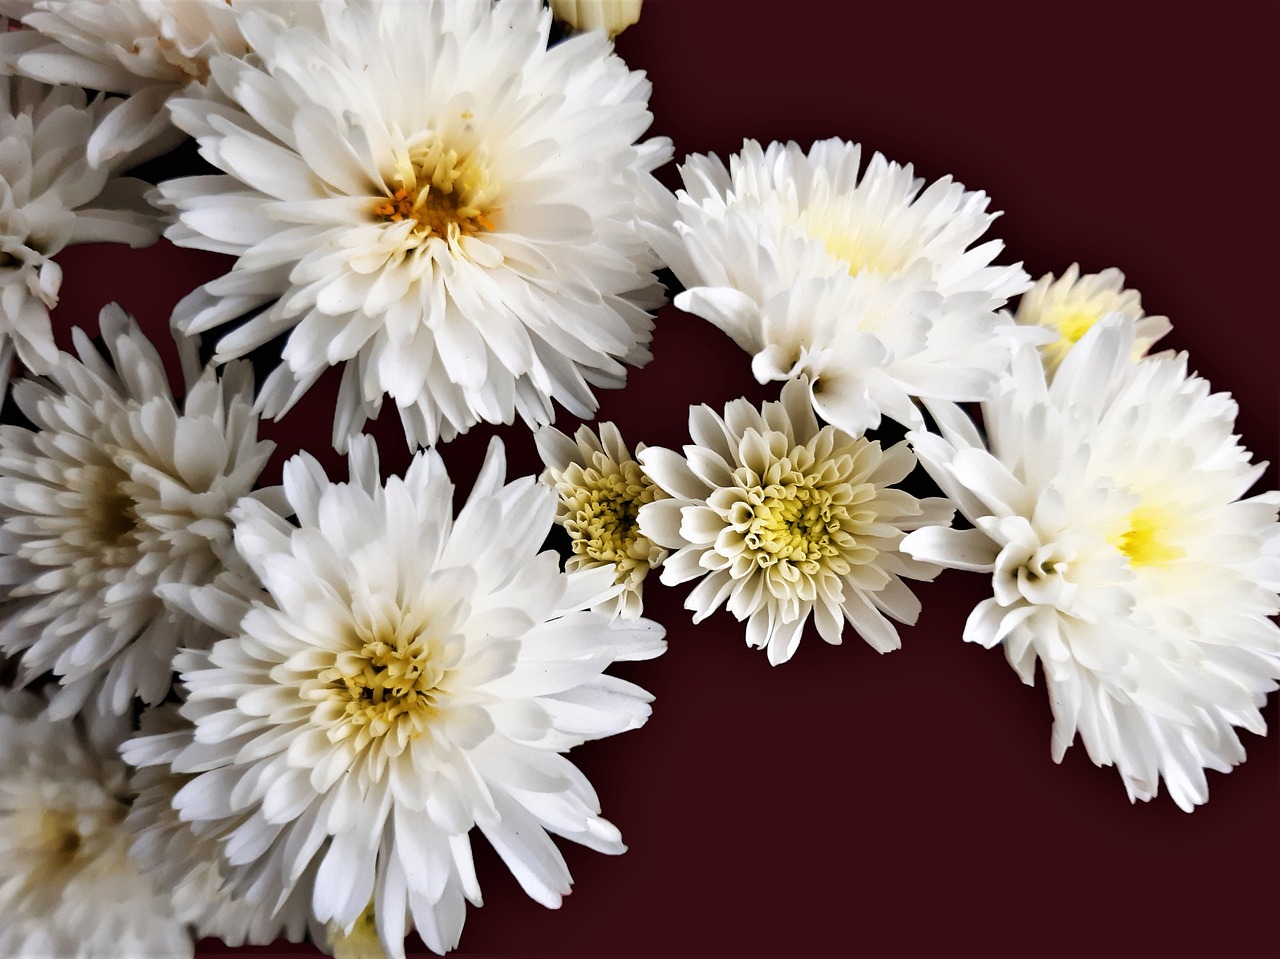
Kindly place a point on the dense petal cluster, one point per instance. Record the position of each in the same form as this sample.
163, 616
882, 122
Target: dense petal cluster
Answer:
115, 491
1071, 305
600, 491
147, 49
1110, 508
863, 282
429, 194
67, 885
404, 677
50, 198
782, 519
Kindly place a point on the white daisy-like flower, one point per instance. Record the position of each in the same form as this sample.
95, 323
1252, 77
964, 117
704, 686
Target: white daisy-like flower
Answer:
781, 519
600, 490
404, 677
116, 491
864, 283
50, 198
67, 885
186, 863
1071, 305
146, 49
430, 195
1109, 511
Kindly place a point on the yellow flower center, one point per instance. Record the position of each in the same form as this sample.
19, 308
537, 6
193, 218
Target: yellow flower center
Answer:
600, 509
1144, 540
387, 684
60, 839
1074, 324
109, 523
797, 523
360, 941
445, 194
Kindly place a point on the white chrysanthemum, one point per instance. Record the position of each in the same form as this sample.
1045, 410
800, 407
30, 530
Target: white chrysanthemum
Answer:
1109, 511
600, 490
50, 198
1070, 306
185, 862
67, 886
863, 283
147, 49
405, 677
782, 519
430, 195
115, 492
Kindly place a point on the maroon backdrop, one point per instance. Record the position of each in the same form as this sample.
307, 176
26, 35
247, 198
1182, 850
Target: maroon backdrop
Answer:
851, 802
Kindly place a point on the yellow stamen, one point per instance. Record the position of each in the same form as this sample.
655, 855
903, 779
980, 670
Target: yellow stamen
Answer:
1144, 540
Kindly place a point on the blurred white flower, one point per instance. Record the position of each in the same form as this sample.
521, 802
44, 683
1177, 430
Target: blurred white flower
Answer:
611, 16
50, 198
67, 886
1070, 306
1108, 509
405, 677
116, 491
145, 49
600, 490
862, 282
427, 193
781, 519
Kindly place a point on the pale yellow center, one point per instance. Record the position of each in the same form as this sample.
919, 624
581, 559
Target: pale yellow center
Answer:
1145, 538
600, 509
445, 194
360, 941
1072, 324
797, 523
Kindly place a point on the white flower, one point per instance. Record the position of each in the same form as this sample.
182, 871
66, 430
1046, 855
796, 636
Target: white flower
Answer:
114, 492
50, 198
188, 863
67, 886
148, 49
863, 283
430, 195
611, 16
782, 519
601, 490
1070, 306
1108, 509
405, 677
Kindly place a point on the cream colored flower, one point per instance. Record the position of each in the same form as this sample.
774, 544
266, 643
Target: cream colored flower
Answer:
611, 16
601, 490
1070, 306
781, 519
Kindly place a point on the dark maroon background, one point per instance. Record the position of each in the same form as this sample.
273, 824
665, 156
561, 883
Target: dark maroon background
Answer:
851, 802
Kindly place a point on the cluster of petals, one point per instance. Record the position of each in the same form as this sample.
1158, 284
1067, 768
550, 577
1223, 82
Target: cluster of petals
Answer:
1110, 508
861, 280
781, 519
51, 198
405, 676
114, 492
429, 194
600, 490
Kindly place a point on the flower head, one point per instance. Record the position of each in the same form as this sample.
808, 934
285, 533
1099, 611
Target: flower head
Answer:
862, 282
601, 490
50, 198
404, 677
782, 519
1071, 305
116, 491
67, 885
1109, 511
145, 49
432, 196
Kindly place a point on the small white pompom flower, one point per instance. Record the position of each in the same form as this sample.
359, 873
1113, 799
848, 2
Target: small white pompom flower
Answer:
50, 198
1071, 305
67, 885
782, 519
427, 193
863, 282
115, 491
147, 50
1108, 509
406, 676
600, 491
